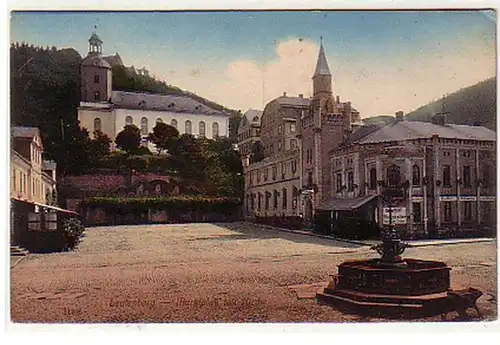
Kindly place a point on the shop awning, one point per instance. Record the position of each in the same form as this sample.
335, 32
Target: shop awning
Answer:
44, 205
346, 204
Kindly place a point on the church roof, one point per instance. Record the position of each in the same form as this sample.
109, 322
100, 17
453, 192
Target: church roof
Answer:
24, 132
96, 61
321, 65
173, 103
114, 60
95, 38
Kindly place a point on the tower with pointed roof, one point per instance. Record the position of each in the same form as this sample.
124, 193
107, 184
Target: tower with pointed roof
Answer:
96, 78
325, 125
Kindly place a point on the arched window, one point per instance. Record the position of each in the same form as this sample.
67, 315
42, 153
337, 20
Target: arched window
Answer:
295, 195
129, 120
373, 178
415, 175
159, 120
173, 123
188, 127
97, 124
202, 129
284, 199
215, 130
144, 126
393, 176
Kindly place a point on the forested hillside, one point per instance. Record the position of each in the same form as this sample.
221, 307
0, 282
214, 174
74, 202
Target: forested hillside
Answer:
472, 105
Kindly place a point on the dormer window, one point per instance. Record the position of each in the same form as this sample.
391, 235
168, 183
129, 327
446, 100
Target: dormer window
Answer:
171, 105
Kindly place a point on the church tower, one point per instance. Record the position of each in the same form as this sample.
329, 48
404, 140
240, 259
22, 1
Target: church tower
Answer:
96, 79
323, 128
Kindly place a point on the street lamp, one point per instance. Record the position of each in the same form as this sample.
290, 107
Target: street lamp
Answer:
391, 247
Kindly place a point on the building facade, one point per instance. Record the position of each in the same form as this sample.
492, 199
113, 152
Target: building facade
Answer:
319, 158
108, 111
446, 172
32, 178
296, 154
248, 131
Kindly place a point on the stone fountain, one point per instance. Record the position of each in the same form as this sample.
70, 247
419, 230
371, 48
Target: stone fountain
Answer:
393, 286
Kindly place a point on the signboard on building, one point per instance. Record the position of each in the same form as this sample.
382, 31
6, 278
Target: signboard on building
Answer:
448, 198
398, 215
487, 198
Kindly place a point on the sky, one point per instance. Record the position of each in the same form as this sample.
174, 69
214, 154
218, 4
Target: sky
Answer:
380, 61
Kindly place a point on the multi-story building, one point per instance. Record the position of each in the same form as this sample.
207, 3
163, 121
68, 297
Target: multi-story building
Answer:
274, 185
248, 131
446, 174
318, 158
109, 111
32, 178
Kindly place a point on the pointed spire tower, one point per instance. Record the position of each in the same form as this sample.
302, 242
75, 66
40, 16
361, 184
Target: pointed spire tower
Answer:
322, 78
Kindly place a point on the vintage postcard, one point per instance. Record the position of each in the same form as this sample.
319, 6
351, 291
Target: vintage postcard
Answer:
253, 166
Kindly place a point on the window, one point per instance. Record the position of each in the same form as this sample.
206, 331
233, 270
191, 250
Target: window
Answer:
280, 129
173, 123
252, 201
486, 176
350, 181
467, 210
275, 172
128, 120
201, 129
97, 95
294, 197
159, 120
275, 199
215, 130
97, 124
338, 181
258, 175
266, 201
266, 173
283, 170
96, 79
14, 179
293, 144
417, 212
292, 127
393, 176
416, 175
294, 166
144, 126
280, 146
373, 178
309, 178
447, 211
446, 176
466, 176
284, 199
187, 126
259, 201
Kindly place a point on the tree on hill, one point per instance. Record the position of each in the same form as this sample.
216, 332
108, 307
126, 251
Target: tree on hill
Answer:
99, 147
475, 104
129, 139
257, 152
164, 136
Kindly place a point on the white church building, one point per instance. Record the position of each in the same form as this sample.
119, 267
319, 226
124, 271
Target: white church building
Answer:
109, 111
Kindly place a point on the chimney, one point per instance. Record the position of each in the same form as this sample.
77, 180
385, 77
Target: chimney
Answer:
338, 99
284, 94
399, 116
439, 119
301, 95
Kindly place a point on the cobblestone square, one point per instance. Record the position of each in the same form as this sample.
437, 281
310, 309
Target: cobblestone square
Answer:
234, 272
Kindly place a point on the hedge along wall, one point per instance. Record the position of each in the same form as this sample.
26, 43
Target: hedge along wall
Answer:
182, 209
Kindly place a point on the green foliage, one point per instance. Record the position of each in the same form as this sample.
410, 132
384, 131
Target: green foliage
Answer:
73, 230
257, 152
128, 139
164, 137
385, 119
177, 204
472, 105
